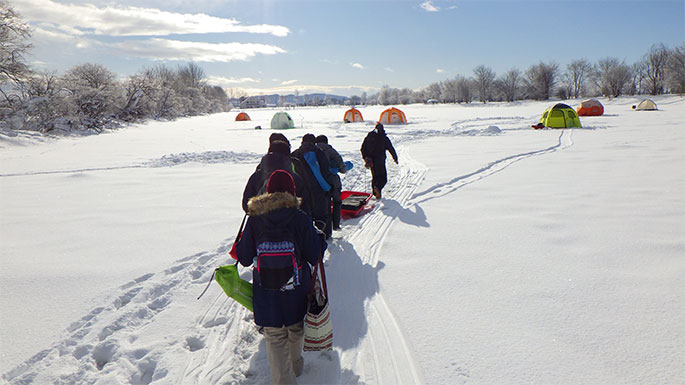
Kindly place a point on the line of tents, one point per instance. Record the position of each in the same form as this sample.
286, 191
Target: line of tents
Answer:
564, 116
558, 116
282, 120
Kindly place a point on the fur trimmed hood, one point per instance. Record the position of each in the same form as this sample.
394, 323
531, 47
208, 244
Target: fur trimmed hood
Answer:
266, 203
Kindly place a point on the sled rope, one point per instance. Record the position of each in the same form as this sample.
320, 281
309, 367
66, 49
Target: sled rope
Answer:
208, 283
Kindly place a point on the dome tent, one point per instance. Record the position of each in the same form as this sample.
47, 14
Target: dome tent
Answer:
352, 115
281, 121
646, 105
560, 116
590, 107
392, 116
242, 117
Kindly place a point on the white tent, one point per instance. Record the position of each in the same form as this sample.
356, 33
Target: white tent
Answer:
282, 120
646, 105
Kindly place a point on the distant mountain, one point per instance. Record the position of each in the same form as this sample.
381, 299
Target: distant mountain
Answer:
308, 99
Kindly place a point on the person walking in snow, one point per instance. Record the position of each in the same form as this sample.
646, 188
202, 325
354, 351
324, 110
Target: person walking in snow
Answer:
277, 158
337, 165
373, 151
318, 175
276, 224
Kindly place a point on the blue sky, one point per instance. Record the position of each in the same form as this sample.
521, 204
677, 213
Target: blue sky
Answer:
343, 47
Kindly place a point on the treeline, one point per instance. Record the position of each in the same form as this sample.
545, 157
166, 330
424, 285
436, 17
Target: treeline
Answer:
89, 96
661, 70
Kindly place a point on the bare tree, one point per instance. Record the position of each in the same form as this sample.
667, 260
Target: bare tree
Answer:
541, 79
675, 73
655, 65
384, 95
192, 76
464, 89
433, 91
637, 79
612, 76
578, 72
14, 35
95, 93
508, 84
449, 91
89, 75
484, 82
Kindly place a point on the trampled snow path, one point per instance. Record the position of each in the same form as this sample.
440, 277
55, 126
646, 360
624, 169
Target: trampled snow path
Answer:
384, 356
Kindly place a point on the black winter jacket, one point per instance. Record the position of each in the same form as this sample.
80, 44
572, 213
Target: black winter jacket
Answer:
375, 145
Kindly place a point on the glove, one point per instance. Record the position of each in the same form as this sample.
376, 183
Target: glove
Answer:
368, 163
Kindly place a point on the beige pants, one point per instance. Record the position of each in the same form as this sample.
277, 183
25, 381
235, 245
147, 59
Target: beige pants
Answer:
284, 350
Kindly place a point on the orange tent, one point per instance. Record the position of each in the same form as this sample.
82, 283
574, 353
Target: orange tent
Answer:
242, 116
392, 116
590, 107
353, 115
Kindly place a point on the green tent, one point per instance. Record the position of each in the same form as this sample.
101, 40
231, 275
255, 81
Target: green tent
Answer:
560, 116
282, 121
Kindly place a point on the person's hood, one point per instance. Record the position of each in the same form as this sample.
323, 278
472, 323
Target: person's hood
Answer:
323, 146
272, 202
307, 146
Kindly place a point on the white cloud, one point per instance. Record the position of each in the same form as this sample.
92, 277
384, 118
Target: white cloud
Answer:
229, 82
389, 69
165, 49
57, 36
440, 70
357, 65
133, 21
288, 82
429, 7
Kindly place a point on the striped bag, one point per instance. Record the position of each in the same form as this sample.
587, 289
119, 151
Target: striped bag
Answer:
318, 329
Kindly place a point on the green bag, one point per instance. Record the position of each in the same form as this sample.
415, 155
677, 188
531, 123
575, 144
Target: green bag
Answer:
234, 286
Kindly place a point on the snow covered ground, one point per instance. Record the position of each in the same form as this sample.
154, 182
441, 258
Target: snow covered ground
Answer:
498, 254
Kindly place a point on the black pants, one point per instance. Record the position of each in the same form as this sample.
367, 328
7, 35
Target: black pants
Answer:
379, 174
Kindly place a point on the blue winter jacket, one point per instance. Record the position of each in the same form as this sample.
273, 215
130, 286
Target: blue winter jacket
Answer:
276, 308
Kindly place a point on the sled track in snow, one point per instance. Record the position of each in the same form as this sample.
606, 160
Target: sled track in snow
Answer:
384, 356
442, 189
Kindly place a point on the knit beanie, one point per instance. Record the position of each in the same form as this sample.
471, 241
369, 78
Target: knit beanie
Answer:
278, 136
321, 139
280, 181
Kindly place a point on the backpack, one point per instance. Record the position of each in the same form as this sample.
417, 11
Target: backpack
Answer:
277, 261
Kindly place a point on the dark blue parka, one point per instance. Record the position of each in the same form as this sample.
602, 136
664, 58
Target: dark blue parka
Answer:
276, 308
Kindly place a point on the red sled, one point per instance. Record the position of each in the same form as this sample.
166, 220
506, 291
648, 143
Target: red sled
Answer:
354, 204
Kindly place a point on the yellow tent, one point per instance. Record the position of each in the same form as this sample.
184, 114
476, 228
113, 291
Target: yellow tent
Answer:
560, 116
